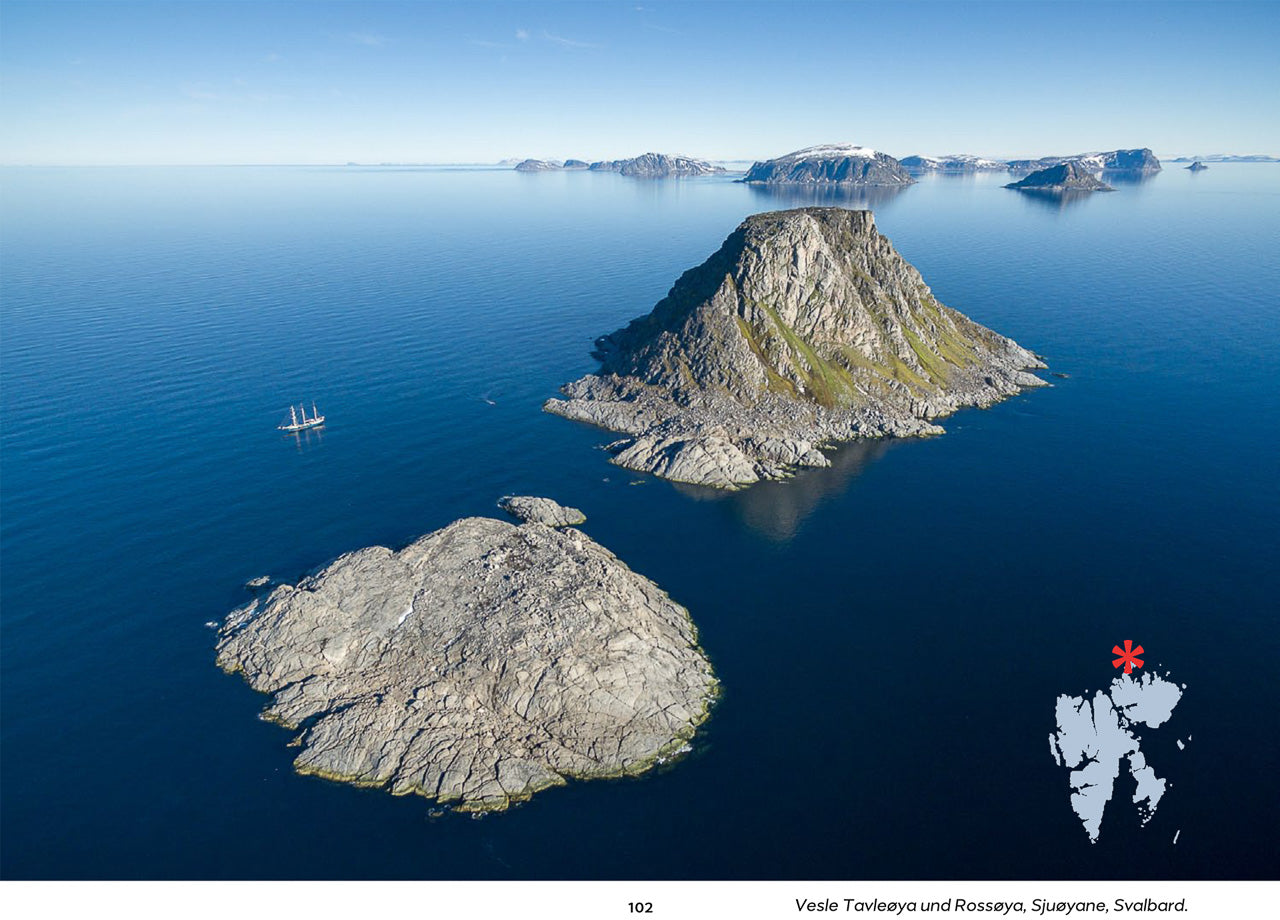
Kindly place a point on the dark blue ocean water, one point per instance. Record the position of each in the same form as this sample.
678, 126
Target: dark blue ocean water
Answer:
891, 633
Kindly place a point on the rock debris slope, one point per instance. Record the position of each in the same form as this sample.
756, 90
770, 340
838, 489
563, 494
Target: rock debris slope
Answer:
805, 328
478, 665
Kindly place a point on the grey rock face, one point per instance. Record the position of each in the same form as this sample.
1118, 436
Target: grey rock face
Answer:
537, 166
1136, 160
1065, 177
478, 665
658, 166
839, 164
541, 511
804, 329
576, 164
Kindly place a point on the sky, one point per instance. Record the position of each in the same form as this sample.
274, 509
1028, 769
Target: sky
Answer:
190, 82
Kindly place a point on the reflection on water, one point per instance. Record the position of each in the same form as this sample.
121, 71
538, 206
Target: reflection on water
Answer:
306, 438
651, 189
950, 175
856, 197
776, 509
1127, 176
1055, 201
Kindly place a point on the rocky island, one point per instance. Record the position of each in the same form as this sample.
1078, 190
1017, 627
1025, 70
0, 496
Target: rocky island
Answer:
658, 166
1139, 159
1065, 177
1197, 166
831, 164
478, 665
955, 162
804, 329
645, 166
1136, 160
541, 510
537, 166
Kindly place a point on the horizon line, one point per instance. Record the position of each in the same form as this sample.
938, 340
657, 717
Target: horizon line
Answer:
508, 160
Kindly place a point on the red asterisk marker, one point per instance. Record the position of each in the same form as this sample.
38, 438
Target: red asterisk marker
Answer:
1128, 656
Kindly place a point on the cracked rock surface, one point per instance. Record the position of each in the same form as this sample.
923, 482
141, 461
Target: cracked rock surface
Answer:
806, 328
478, 665
541, 511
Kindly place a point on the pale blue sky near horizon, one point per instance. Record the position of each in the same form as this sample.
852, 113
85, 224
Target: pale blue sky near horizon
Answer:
331, 82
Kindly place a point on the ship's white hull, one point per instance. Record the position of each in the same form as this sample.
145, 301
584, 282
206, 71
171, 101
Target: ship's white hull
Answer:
303, 426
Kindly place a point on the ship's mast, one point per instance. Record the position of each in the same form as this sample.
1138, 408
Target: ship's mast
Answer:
315, 413
293, 415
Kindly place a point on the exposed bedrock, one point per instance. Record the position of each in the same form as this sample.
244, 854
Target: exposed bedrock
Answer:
478, 665
806, 328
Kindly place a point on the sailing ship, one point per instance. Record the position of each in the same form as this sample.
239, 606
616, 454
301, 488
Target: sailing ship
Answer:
301, 424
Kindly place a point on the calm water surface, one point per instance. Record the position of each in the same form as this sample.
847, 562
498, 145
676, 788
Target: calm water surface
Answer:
891, 633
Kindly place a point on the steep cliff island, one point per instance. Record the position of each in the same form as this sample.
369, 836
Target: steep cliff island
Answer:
478, 665
805, 328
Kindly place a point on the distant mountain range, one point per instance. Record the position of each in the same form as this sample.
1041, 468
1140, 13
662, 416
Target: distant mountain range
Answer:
852, 165
657, 165
846, 165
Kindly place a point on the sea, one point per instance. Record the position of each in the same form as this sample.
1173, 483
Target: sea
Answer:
892, 633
